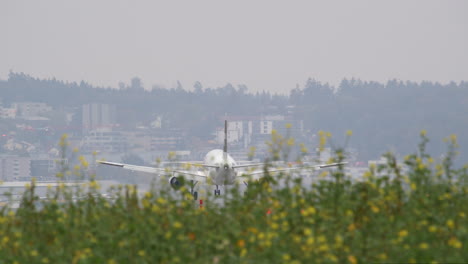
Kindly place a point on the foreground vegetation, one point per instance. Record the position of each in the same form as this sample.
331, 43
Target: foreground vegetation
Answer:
419, 215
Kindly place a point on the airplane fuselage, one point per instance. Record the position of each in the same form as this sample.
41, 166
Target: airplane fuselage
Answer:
224, 173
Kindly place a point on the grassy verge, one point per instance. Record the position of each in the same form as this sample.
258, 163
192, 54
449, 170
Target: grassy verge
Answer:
389, 216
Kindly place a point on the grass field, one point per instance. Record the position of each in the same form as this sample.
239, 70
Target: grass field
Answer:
419, 216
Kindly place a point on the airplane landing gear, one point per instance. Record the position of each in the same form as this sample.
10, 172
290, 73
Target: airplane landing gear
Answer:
195, 194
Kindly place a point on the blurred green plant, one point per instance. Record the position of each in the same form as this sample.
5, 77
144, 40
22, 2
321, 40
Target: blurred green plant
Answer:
393, 214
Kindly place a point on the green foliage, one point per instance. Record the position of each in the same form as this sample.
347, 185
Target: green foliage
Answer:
390, 216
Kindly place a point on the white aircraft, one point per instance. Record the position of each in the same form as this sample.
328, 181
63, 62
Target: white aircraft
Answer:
219, 169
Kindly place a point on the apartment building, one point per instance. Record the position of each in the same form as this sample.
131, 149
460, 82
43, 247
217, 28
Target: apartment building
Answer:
13, 168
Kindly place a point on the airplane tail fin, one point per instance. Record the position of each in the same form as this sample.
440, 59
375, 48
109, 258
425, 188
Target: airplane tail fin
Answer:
225, 142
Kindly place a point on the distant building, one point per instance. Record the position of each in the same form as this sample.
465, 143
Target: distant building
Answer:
138, 141
166, 141
250, 130
379, 162
43, 168
104, 140
13, 168
96, 116
266, 127
235, 132
8, 113
29, 110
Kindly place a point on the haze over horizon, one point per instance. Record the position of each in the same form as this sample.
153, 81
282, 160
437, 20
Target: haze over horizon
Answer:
267, 45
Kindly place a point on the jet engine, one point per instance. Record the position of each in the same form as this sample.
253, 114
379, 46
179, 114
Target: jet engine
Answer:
176, 182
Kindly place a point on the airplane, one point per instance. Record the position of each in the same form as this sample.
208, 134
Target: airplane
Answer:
220, 169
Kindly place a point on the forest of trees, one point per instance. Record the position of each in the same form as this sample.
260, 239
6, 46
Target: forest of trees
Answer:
382, 116
386, 116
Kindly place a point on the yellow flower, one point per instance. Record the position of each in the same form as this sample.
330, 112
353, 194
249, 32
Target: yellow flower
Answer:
423, 133
323, 247
338, 240
5, 240
322, 239
450, 223
141, 253
413, 186
34, 253
161, 200
310, 210
349, 133
274, 225
382, 256
432, 229
253, 230
454, 242
177, 224
94, 185
332, 258
367, 174
243, 252
352, 259
453, 138
423, 246
241, 243
261, 236
286, 257
323, 174
403, 233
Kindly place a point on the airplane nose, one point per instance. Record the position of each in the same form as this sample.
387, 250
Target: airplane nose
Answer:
226, 167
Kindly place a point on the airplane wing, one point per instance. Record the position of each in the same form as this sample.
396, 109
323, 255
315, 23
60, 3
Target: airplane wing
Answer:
256, 175
188, 174
187, 163
193, 164
248, 165
134, 167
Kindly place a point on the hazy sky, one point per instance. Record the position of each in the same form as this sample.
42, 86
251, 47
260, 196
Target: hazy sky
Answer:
269, 44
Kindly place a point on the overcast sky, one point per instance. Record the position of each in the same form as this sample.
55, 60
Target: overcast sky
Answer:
267, 45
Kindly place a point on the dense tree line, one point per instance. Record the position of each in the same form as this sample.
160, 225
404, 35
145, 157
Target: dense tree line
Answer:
382, 116
386, 116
